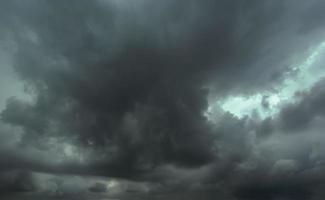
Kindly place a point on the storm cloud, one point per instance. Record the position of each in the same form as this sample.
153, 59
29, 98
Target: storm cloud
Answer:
134, 91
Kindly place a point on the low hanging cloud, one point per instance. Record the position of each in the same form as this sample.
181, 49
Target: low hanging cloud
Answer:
120, 89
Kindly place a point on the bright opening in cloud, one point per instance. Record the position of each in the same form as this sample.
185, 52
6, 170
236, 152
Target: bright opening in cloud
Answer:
267, 104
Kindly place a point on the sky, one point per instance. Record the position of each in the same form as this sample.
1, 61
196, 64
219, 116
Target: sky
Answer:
166, 99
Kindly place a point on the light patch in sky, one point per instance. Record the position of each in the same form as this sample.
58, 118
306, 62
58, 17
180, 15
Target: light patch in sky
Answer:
305, 78
112, 184
64, 151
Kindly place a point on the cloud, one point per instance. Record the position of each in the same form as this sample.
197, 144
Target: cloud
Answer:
310, 108
120, 89
98, 187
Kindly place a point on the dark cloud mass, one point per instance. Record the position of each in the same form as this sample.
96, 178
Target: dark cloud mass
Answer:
119, 89
301, 115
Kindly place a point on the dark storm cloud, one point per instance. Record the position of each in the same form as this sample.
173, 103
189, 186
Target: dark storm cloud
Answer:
300, 115
129, 81
295, 170
98, 187
141, 84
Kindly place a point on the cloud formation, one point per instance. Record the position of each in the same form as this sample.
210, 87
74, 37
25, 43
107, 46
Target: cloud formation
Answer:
121, 89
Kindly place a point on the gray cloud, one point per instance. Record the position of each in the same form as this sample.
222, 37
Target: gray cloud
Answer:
120, 89
310, 107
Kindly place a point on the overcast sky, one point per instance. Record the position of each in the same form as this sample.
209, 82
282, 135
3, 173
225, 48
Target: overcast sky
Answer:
165, 99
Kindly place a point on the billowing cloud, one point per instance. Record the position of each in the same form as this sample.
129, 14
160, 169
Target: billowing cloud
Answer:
139, 91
